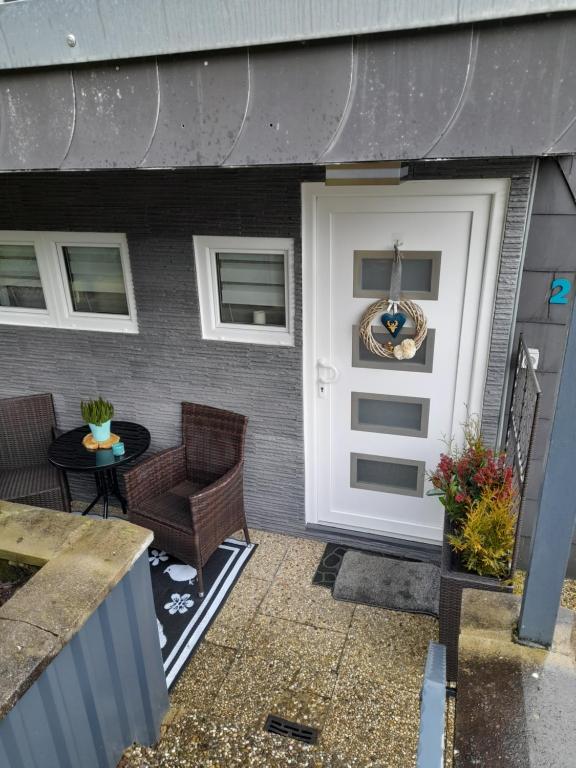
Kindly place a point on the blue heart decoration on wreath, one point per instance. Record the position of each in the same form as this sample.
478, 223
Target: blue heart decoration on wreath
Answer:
393, 323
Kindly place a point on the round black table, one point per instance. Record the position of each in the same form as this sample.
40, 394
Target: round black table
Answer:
68, 453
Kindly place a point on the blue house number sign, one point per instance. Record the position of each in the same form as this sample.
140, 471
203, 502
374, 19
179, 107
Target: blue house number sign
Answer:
563, 287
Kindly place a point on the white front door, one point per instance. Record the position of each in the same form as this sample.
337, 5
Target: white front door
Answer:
375, 427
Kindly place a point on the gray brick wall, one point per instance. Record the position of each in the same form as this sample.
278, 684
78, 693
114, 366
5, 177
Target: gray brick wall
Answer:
147, 375
550, 253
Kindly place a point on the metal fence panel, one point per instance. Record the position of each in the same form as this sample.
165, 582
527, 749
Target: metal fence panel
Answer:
433, 710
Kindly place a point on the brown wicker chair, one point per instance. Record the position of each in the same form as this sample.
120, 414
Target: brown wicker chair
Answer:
27, 427
192, 496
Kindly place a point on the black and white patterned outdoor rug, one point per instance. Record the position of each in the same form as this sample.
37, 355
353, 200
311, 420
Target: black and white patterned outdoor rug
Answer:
183, 618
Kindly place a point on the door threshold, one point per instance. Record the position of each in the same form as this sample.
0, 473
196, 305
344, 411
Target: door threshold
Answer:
411, 550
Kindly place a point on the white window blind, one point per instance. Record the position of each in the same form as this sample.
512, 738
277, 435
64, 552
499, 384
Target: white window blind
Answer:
245, 287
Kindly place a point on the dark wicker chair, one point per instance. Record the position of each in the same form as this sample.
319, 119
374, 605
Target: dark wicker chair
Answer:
192, 496
27, 427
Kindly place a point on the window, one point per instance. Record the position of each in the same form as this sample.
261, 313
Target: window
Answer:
420, 274
20, 285
245, 287
362, 357
391, 414
66, 280
387, 474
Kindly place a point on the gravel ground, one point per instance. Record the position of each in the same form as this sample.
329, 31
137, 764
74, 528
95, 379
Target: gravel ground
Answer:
282, 645
568, 593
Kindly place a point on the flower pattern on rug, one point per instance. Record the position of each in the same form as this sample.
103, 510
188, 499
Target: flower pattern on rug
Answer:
157, 556
179, 603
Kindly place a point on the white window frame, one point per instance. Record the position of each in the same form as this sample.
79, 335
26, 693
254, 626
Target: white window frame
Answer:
59, 312
205, 249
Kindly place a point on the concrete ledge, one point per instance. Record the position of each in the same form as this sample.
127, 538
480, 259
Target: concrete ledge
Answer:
516, 705
82, 561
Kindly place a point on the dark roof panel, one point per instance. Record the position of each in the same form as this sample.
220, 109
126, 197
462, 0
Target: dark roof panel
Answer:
202, 109
497, 90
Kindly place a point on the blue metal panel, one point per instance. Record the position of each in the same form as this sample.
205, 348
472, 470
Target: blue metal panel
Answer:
433, 710
104, 691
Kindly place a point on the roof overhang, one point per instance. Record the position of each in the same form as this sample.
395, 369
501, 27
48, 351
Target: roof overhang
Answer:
39, 33
492, 90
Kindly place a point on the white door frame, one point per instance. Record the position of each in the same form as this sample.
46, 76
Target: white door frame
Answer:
497, 189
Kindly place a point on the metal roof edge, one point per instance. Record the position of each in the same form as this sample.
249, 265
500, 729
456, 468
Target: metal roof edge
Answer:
42, 33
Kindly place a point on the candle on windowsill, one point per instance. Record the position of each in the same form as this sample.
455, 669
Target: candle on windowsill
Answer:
259, 317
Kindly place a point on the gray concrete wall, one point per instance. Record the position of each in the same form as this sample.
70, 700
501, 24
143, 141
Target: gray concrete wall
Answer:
149, 374
550, 253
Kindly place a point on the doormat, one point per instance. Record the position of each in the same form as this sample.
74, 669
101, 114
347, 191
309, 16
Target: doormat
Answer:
329, 565
399, 585
182, 617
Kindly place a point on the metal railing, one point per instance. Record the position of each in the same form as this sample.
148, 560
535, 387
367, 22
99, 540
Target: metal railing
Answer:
522, 418
432, 734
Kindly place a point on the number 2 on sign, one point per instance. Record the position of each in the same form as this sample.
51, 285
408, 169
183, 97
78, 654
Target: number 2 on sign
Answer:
564, 289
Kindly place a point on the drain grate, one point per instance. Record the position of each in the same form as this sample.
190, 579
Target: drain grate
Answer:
282, 727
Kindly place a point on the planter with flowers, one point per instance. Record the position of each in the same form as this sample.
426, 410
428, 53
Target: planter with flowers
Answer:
476, 488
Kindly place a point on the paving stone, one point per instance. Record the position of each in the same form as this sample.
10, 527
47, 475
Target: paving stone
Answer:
276, 638
200, 742
302, 707
270, 552
372, 721
232, 623
314, 653
301, 561
307, 604
250, 689
389, 642
202, 678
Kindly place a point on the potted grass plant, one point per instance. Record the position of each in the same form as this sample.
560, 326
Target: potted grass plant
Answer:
98, 414
475, 486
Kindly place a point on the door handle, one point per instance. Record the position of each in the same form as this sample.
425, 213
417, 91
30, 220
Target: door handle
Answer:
326, 365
